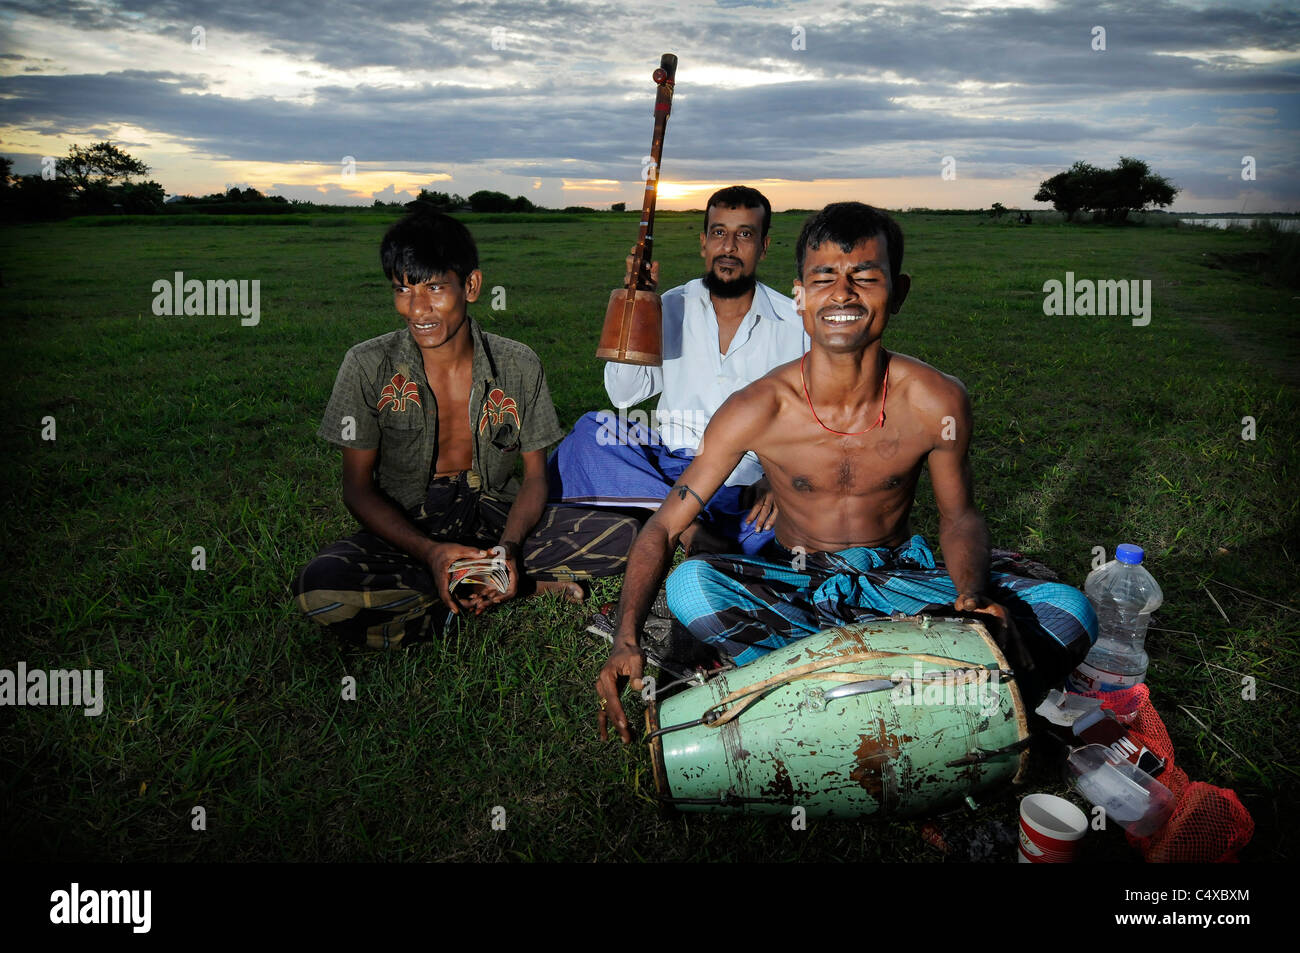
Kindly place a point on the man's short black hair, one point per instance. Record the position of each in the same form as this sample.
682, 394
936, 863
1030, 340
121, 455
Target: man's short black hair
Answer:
427, 243
847, 223
740, 196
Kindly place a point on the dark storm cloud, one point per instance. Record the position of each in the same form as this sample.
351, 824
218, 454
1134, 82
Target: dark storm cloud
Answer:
1031, 47
880, 91
346, 34
372, 124
399, 125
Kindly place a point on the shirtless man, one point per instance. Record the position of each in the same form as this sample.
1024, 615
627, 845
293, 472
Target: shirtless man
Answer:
432, 419
842, 434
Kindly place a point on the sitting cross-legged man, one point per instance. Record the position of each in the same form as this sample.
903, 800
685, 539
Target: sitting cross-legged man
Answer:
432, 420
720, 332
843, 434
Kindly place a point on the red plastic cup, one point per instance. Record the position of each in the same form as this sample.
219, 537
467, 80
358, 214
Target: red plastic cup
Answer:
1050, 829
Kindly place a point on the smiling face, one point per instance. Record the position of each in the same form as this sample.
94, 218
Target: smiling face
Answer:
436, 309
846, 297
732, 244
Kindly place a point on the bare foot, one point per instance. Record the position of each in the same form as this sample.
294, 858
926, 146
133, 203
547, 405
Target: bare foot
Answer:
570, 591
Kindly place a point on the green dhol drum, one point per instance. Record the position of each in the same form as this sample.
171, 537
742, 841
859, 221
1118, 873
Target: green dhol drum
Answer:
896, 717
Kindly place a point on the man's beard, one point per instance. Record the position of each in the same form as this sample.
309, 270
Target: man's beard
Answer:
735, 288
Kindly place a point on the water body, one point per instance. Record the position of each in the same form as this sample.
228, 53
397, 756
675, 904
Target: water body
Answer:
1286, 224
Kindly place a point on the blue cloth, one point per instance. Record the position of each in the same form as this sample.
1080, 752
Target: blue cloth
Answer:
609, 461
747, 606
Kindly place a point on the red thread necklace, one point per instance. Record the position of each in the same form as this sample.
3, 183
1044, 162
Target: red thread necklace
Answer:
880, 421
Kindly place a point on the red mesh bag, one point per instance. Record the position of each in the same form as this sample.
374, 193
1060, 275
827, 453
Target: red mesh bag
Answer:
1208, 824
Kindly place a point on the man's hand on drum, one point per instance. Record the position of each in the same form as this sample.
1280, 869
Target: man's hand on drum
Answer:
1003, 628
625, 664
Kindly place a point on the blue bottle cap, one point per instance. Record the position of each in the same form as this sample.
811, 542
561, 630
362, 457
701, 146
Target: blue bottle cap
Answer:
1128, 553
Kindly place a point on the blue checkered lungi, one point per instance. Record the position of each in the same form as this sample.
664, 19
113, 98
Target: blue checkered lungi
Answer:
747, 606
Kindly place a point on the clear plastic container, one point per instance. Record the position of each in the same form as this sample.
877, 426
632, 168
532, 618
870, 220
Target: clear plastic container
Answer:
1124, 595
1131, 797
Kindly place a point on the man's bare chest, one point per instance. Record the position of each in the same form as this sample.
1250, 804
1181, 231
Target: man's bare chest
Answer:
452, 392
858, 466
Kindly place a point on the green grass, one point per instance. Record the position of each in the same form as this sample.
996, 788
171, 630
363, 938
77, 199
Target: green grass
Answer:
176, 432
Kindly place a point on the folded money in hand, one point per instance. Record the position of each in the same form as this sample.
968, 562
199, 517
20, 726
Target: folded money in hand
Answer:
480, 572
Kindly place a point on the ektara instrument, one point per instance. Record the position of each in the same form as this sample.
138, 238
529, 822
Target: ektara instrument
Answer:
633, 329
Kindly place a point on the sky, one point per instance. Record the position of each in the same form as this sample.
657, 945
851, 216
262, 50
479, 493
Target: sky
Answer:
954, 104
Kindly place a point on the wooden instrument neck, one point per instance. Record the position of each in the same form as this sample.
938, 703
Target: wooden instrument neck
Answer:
665, 76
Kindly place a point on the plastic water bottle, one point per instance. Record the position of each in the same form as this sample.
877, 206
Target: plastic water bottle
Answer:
1124, 595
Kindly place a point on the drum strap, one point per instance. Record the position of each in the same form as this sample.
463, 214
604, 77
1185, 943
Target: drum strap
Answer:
742, 698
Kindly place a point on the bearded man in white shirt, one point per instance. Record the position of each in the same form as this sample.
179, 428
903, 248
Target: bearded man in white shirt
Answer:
721, 332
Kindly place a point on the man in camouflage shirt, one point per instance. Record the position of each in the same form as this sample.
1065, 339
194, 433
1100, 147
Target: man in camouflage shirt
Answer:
432, 420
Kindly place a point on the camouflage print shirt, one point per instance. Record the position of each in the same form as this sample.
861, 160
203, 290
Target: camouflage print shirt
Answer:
382, 400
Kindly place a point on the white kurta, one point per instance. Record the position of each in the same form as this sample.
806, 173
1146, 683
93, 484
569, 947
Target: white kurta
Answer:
695, 378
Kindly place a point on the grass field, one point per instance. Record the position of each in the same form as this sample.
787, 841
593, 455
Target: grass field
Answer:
177, 432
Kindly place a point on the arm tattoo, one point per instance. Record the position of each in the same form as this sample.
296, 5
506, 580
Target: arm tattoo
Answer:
682, 489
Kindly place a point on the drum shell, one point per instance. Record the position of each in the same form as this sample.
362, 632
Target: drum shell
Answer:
882, 753
634, 339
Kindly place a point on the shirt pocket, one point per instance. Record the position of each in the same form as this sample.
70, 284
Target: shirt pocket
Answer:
504, 438
500, 454
401, 445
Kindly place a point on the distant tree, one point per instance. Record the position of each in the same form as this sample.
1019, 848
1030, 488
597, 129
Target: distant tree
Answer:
99, 179
442, 201
521, 204
35, 198
998, 210
7, 183
1071, 190
1130, 186
486, 201
439, 200
100, 165
140, 197
618, 207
